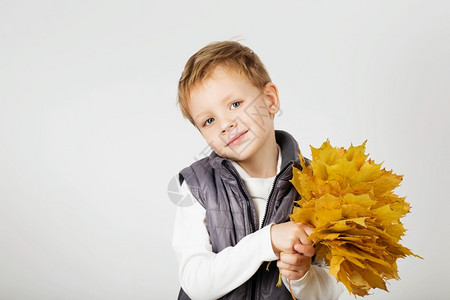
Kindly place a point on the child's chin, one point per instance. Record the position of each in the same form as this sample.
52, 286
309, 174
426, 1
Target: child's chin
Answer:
235, 155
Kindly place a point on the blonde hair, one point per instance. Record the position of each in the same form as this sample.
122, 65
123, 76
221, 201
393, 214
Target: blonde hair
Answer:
228, 54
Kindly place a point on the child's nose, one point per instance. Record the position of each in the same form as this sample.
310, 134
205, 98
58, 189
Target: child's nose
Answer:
229, 126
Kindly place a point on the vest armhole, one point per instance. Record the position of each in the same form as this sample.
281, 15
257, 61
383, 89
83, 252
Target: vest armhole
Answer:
195, 190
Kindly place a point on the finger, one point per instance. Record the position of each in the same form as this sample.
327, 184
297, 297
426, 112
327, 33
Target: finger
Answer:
304, 265
304, 232
293, 259
284, 266
306, 250
307, 241
308, 229
292, 275
302, 236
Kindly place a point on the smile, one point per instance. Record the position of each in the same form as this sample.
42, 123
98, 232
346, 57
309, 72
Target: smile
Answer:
237, 138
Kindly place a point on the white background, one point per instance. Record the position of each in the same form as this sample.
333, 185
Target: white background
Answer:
90, 133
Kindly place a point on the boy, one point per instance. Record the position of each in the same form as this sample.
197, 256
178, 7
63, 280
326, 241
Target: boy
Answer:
243, 197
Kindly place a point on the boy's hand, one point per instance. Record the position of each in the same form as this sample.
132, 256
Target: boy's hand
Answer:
290, 244
294, 266
285, 236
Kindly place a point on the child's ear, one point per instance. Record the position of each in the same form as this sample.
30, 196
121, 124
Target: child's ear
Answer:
272, 99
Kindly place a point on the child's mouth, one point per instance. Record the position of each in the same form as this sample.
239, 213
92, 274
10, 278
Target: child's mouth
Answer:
237, 138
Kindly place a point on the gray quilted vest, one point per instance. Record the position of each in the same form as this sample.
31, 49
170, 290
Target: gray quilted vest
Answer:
231, 215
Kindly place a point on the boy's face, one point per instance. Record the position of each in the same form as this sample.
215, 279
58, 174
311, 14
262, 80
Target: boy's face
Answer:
234, 117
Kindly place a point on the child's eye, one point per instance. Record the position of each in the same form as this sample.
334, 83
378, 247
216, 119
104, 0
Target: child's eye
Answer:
235, 105
208, 122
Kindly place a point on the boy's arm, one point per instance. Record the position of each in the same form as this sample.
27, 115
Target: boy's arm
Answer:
317, 283
204, 274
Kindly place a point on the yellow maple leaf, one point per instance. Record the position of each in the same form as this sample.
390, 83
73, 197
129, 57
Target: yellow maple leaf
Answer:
350, 202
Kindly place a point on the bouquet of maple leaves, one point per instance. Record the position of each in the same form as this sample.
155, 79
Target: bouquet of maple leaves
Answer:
350, 202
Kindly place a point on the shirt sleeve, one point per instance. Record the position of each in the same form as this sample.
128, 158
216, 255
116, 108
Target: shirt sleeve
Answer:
204, 274
317, 283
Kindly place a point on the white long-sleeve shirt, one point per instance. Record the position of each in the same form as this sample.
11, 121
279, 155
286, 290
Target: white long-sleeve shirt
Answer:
204, 274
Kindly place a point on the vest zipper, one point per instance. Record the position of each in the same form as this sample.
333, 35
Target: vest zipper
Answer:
249, 211
271, 192
241, 188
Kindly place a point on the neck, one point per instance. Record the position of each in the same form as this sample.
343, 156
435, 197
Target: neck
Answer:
262, 164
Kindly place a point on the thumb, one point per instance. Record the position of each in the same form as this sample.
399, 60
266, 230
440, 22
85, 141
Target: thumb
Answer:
309, 230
